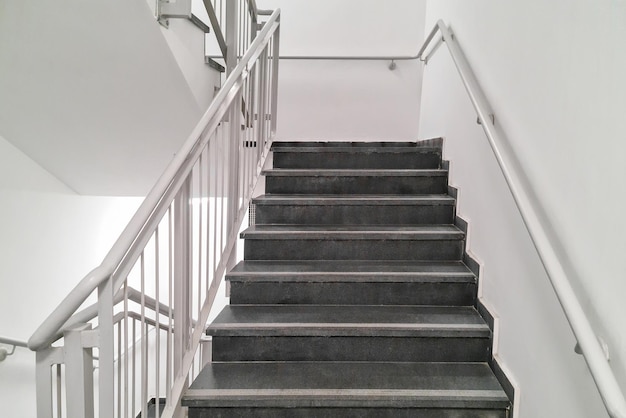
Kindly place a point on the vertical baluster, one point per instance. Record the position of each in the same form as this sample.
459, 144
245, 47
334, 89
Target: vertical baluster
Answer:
119, 369
134, 369
240, 47
224, 162
244, 138
157, 317
182, 275
170, 304
231, 36
275, 62
126, 348
144, 340
59, 390
200, 227
268, 91
208, 208
246, 26
262, 99
106, 350
215, 189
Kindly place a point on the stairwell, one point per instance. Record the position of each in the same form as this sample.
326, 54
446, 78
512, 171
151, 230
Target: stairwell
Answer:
353, 299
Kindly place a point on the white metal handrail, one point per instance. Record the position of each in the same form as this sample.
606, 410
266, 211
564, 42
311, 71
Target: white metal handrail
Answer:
588, 341
183, 238
14, 343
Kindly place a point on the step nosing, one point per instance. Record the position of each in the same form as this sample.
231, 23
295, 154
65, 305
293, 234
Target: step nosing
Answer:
312, 200
346, 325
340, 393
356, 172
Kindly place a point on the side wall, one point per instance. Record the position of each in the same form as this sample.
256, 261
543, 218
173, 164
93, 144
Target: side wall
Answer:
93, 93
50, 239
338, 99
553, 72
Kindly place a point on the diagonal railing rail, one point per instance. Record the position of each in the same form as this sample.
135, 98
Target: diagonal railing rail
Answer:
588, 341
174, 252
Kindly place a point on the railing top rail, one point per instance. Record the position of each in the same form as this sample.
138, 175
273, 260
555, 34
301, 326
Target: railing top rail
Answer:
138, 225
591, 348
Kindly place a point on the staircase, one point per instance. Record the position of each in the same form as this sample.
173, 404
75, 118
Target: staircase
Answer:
353, 299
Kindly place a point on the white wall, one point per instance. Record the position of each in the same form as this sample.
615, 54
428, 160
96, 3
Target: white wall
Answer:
91, 91
553, 72
187, 43
50, 239
348, 99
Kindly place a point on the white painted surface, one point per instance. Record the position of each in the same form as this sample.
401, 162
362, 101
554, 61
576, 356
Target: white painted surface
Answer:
558, 91
91, 91
50, 239
186, 41
349, 99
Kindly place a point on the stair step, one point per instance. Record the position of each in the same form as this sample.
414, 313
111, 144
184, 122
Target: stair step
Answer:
354, 209
350, 282
308, 181
338, 389
341, 155
349, 333
331, 242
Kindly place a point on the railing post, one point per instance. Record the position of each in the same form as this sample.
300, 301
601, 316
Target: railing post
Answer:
106, 350
182, 274
234, 144
232, 20
45, 358
262, 118
275, 60
79, 374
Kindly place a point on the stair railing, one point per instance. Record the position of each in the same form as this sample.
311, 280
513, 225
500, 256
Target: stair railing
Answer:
174, 252
588, 341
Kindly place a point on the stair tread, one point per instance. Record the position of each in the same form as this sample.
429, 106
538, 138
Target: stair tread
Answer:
348, 320
326, 199
346, 384
284, 172
360, 271
398, 232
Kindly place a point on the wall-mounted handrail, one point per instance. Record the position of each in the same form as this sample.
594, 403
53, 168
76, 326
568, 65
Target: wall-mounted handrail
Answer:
591, 347
13, 343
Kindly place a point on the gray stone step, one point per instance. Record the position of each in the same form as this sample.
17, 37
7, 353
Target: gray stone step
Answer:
352, 283
349, 333
304, 242
303, 181
373, 155
355, 389
354, 209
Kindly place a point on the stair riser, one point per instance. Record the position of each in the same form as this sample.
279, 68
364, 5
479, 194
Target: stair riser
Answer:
354, 214
304, 249
357, 160
356, 184
295, 348
274, 293
345, 413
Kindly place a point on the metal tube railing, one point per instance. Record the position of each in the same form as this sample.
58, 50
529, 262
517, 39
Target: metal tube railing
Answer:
14, 343
590, 346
